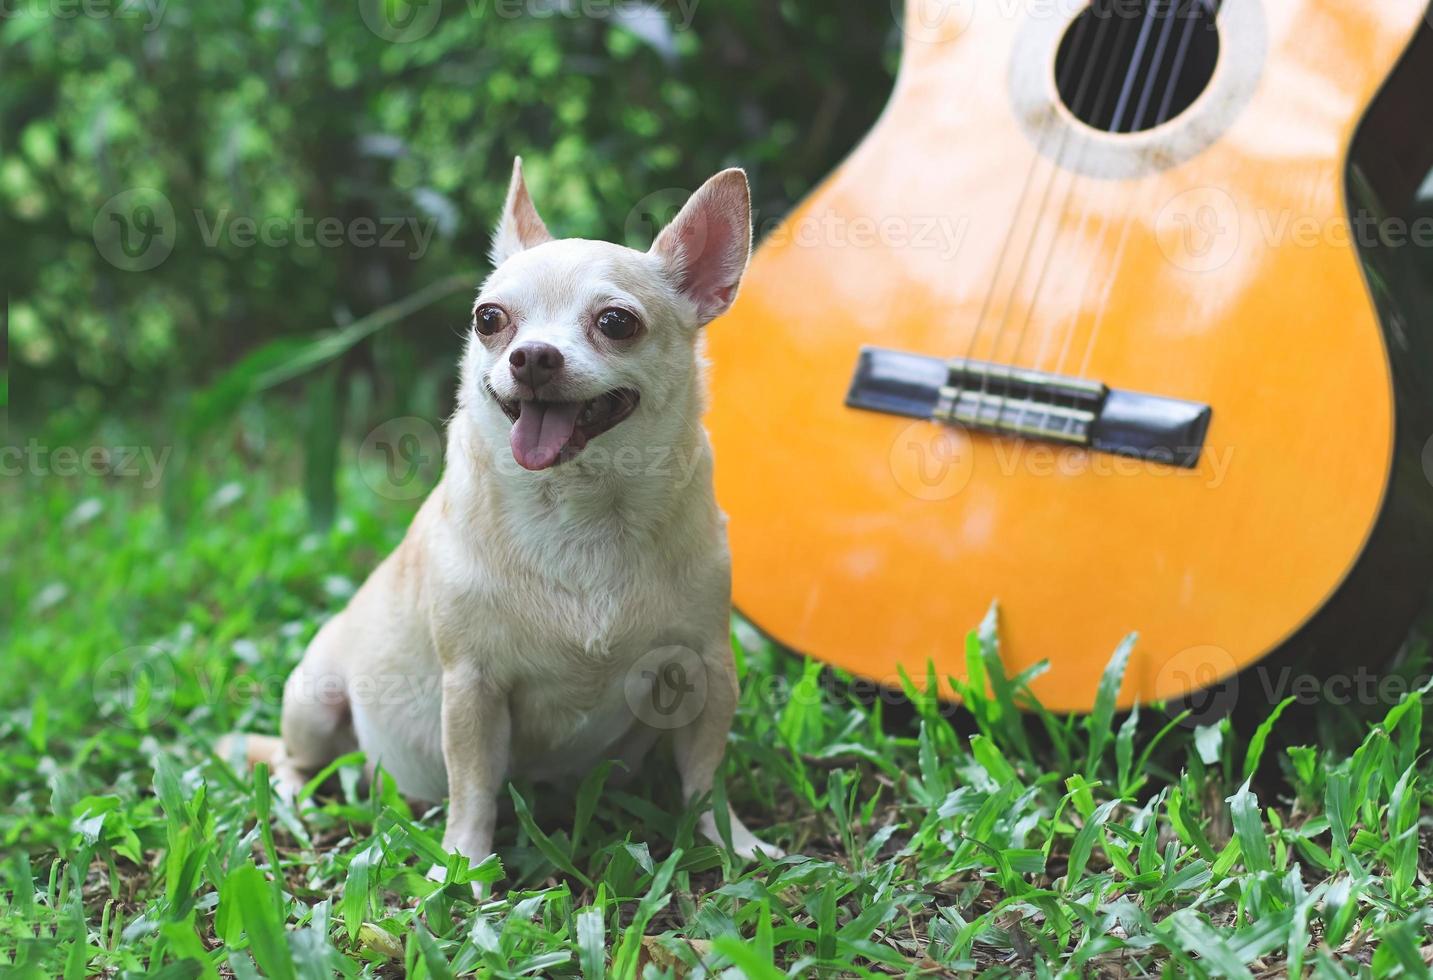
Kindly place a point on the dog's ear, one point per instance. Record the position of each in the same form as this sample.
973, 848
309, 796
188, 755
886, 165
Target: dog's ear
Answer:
708, 244
521, 227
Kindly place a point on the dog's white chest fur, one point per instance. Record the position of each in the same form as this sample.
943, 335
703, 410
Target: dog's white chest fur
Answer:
553, 608
596, 610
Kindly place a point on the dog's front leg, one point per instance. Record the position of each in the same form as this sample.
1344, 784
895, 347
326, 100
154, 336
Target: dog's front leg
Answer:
477, 733
699, 746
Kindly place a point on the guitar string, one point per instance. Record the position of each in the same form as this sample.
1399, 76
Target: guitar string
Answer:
1089, 208
1147, 19
1082, 29
1064, 211
1088, 211
1000, 260
1215, 7
1127, 225
1158, 61
1057, 172
1131, 79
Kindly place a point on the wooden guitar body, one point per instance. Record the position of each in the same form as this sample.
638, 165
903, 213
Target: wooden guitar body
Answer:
1229, 257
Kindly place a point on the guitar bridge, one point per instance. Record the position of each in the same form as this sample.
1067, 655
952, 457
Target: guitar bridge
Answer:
1016, 401
1030, 404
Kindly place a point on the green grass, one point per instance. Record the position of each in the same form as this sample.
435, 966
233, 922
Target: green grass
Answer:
924, 842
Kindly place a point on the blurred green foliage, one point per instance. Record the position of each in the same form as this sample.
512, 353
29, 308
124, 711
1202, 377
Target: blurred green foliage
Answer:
324, 160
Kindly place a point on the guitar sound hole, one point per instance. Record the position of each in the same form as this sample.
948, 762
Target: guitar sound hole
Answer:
1125, 66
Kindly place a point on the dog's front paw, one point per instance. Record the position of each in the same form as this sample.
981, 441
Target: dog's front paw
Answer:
744, 844
754, 848
476, 847
439, 873
749, 847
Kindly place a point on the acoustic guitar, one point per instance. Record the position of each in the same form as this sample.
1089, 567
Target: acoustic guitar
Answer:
1117, 319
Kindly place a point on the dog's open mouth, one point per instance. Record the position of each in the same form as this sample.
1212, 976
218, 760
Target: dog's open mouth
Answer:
545, 434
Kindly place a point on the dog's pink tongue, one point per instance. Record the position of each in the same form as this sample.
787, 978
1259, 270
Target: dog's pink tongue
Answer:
542, 431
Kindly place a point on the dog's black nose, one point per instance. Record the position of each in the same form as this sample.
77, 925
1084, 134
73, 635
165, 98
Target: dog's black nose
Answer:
534, 364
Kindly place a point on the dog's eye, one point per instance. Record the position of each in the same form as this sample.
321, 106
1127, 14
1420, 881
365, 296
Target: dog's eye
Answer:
618, 324
490, 319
